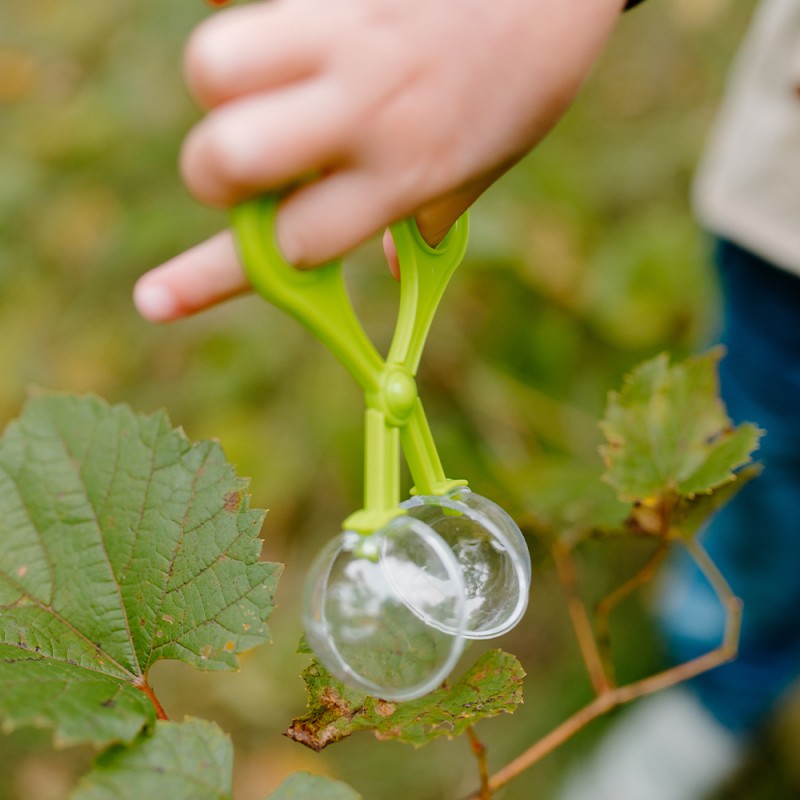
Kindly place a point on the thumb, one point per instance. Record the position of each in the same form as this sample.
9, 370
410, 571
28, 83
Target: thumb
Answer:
435, 219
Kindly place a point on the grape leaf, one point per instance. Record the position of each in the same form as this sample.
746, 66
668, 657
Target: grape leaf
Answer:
122, 544
192, 760
492, 686
80, 704
694, 512
302, 786
668, 432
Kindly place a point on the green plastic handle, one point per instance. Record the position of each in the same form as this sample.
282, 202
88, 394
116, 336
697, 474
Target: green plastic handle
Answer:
318, 299
425, 272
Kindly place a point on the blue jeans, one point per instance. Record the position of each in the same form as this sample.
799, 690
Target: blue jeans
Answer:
755, 540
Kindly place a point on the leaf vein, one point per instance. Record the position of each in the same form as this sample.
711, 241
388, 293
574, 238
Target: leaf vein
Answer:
178, 545
99, 530
38, 534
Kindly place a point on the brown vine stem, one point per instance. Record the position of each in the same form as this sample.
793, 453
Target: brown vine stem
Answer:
479, 751
565, 565
613, 697
148, 690
731, 603
606, 606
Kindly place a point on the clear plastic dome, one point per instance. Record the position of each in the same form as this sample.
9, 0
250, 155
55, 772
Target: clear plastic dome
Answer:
491, 550
384, 612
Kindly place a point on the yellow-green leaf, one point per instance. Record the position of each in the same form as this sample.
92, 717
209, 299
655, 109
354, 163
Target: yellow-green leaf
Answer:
668, 433
491, 687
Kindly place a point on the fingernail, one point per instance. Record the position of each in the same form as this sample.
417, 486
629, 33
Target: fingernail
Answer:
155, 303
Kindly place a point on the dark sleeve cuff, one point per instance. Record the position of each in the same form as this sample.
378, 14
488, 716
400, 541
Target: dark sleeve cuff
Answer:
631, 3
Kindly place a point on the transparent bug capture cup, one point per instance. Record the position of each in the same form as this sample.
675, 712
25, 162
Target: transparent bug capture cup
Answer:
491, 551
384, 612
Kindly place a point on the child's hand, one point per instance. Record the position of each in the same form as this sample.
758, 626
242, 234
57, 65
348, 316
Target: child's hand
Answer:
397, 107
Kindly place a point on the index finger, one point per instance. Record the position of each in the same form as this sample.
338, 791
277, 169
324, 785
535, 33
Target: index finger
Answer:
197, 279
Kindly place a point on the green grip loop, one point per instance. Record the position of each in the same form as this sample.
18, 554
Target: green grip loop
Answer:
425, 272
318, 299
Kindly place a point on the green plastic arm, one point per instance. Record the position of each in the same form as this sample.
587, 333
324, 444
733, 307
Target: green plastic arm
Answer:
317, 298
425, 272
423, 460
381, 475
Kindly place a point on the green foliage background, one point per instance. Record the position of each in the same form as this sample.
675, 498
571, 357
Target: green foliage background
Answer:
583, 261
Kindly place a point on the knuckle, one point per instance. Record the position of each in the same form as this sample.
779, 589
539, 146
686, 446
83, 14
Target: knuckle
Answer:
206, 165
294, 243
203, 64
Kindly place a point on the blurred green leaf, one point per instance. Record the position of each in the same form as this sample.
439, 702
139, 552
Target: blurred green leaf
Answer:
192, 760
491, 687
668, 433
123, 544
302, 786
567, 499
